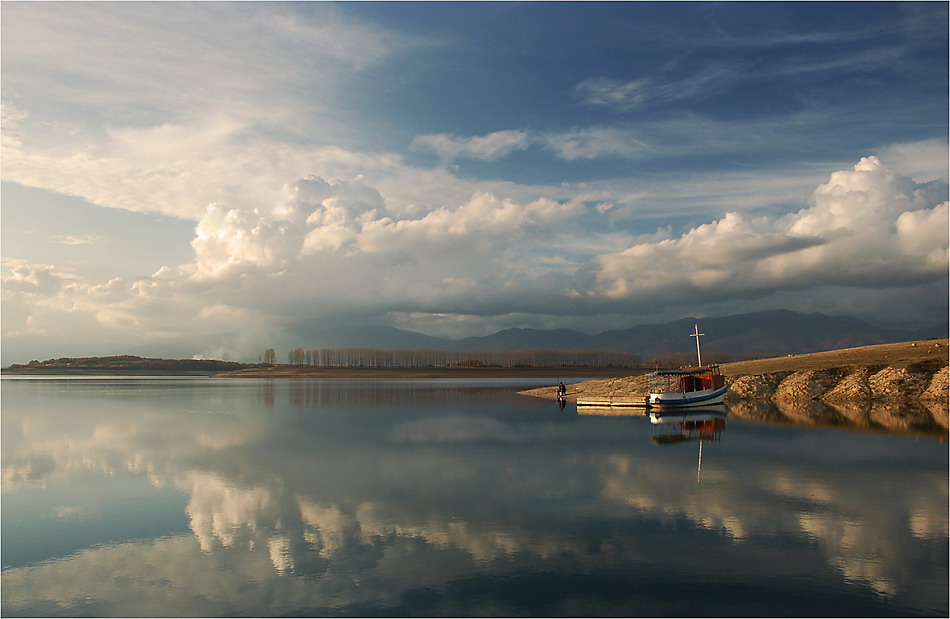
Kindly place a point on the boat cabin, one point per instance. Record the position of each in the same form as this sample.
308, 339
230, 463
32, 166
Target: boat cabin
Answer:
687, 380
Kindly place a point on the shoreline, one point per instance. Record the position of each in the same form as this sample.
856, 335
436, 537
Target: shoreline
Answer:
429, 372
928, 356
899, 387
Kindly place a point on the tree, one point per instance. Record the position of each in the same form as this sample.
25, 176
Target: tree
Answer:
297, 356
268, 357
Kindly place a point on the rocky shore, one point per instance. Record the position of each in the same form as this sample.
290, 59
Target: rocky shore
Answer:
891, 386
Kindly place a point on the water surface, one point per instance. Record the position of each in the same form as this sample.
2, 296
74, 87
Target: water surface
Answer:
202, 497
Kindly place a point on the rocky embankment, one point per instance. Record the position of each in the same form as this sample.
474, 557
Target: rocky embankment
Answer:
891, 386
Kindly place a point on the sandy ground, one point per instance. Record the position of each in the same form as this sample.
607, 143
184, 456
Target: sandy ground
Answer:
898, 355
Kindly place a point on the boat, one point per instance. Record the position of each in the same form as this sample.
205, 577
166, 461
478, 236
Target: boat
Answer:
703, 385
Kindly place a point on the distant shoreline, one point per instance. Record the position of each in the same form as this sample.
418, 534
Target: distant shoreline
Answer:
898, 355
428, 372
54, 372
333, 372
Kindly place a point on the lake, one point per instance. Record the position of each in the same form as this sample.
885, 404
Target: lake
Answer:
209, 497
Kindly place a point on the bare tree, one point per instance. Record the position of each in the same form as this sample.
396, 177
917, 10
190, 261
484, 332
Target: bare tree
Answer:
268, 357
297, 356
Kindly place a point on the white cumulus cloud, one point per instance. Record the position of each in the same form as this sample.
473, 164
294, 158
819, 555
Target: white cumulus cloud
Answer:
867, 227
339, 250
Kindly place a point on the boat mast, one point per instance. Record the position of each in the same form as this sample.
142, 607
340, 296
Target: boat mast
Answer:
696, 334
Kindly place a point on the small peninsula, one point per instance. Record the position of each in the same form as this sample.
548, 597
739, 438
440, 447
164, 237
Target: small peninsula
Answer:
899, 386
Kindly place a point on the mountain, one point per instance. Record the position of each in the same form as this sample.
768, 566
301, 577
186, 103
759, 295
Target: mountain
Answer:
778, 332
370, 336
931, 332
525, 339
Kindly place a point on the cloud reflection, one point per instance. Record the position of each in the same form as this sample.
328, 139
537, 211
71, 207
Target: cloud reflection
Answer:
295, 513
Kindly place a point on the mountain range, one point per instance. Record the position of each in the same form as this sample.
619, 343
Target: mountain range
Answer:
776, 332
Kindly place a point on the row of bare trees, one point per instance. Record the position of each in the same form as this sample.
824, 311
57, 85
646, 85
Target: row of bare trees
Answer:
375, 357
381, 358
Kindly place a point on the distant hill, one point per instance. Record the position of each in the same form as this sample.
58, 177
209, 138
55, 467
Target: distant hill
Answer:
126, 364
370, 336
778, 332
526, 339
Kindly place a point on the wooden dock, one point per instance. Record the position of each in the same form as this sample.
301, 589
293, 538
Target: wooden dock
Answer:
615, 401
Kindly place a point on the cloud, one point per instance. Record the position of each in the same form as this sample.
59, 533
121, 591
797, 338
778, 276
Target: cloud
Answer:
487, 147
130, 61
348, 219
627, 95
596, 142
69, 239
923, 161
588, 143
47, 310
867, 228
685, 134
308, 251
299, 256
176, 169
166, 109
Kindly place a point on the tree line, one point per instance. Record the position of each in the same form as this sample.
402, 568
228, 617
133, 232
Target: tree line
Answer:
382, 358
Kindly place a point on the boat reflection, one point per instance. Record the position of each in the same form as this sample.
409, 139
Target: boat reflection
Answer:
675, 426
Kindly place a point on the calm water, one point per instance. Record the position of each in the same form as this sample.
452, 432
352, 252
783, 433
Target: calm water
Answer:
199, 497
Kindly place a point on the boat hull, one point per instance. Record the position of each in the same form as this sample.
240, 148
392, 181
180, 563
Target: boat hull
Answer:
702, 397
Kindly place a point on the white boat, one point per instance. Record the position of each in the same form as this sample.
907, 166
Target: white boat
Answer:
703, 385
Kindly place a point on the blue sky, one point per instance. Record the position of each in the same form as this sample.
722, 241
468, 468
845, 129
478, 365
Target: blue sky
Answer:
210, 179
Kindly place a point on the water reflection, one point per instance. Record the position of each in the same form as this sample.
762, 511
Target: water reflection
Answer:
924, 418
429, 501
674, 426
903, 416
369, 393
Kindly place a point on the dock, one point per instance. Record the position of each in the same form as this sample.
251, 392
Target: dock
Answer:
615, 401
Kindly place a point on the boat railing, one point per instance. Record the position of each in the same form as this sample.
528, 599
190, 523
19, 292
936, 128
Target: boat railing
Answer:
666, 383
685, 380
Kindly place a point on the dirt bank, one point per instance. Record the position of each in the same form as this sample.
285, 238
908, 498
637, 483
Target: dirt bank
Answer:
899, 355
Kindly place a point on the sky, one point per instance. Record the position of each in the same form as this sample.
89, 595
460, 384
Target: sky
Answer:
211, 179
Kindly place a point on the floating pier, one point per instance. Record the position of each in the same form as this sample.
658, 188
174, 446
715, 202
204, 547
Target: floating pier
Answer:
625, 401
